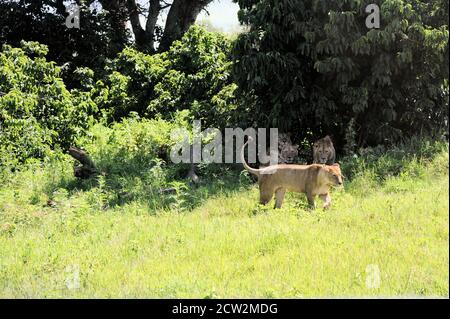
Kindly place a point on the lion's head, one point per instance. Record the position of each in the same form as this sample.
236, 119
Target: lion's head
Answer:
333, 174
323, 151
287, 152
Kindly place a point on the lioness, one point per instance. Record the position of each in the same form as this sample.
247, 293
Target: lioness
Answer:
323, 151
312, 180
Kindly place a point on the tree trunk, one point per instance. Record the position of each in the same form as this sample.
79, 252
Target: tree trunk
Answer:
139, 32
118, 17
182, 15
150, 26
192, 175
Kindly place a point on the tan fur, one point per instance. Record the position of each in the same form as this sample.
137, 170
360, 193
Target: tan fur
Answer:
287, 151
324, 152
312, 180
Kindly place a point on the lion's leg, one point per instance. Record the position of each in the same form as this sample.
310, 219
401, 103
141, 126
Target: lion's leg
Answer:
310, 198
265, 195
279, 197
326, 200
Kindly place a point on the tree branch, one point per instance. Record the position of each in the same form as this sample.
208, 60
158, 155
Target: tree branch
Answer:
152, 18
139, 33
87, 168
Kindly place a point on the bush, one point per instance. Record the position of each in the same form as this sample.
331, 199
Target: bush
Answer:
131, 145
409, 158
198, 78
130, 83
194, 74
132, 157
37, 112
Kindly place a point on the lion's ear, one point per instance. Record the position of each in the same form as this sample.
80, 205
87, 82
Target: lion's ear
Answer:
336, 164
328, 169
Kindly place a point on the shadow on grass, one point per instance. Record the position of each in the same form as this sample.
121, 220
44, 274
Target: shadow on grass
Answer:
158, 186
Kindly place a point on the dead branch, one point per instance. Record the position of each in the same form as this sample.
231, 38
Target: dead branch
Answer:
87, 168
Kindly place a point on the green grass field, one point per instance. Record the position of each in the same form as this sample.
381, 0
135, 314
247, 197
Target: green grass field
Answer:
224, 244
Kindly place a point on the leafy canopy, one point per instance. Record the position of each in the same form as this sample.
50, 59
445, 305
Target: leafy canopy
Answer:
37, 112
195, 75
315, 66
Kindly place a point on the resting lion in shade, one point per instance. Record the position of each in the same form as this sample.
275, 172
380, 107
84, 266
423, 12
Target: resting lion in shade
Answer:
312, 180
323, 151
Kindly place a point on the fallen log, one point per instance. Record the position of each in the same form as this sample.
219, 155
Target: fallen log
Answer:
87, 169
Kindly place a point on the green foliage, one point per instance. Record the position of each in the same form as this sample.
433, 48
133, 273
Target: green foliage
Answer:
99, 37
40, 114
314, 66
199, 78
133, 158
130, 82
37, 112
131, 145
194, 74
380, 163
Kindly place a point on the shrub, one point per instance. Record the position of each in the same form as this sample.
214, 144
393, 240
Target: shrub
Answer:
132, 157
198, 78
194, 74
129, 146
407, 159
130, 83
37, 112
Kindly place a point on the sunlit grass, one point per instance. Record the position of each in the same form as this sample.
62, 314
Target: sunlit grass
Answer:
226, 245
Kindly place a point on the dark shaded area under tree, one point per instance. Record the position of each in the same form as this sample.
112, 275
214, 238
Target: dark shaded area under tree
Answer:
103, 32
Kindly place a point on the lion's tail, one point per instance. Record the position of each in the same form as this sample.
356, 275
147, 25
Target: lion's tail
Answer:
248, 168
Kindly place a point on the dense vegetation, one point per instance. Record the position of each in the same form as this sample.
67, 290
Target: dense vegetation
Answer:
39, 113
297, 68
138, 228
316, 67
103, 28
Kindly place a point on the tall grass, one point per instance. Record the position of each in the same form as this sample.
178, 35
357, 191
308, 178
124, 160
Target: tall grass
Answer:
63, 238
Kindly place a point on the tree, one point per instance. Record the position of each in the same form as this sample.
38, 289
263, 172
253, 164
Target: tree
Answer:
314, 66
181, 15
43, 21
103, 28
